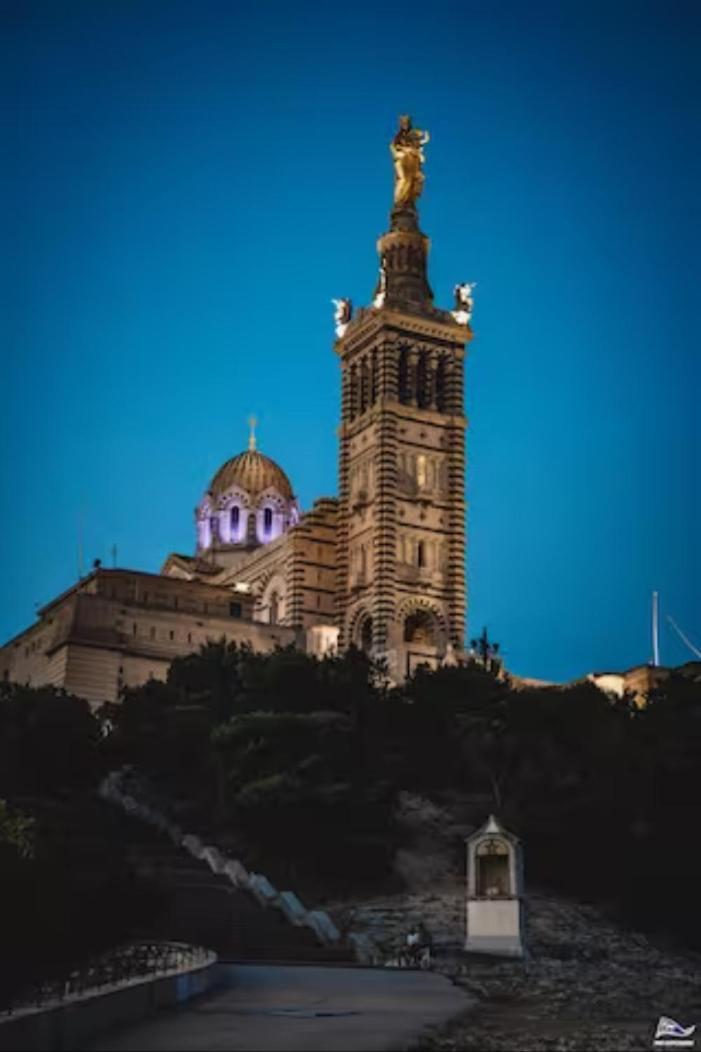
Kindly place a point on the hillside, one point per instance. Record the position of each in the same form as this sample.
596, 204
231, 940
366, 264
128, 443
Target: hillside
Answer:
588, 983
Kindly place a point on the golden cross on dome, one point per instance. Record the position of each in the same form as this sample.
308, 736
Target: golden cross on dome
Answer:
252, 423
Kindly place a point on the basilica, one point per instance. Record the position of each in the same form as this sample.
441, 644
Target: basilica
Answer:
381, 566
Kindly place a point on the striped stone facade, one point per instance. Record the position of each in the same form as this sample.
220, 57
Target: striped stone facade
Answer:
401, 522
299, 568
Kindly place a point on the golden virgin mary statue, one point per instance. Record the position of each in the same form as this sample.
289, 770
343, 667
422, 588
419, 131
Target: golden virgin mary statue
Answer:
408, 156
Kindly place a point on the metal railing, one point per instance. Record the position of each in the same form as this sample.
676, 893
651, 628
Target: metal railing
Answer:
139, 960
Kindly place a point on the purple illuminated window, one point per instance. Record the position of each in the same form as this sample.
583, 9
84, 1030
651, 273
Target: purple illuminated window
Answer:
267, 520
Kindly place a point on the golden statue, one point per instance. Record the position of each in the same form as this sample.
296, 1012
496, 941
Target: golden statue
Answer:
408, 156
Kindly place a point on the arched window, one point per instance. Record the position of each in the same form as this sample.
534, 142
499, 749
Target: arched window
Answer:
268, 520
374, 378
235, 520
274, 608
440, 385
404, 375
366, 634
420, 554
213, 527
420, 627
364, 385
422, 393
421, 471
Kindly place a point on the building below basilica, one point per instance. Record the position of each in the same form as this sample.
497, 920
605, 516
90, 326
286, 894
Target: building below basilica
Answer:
380, 567
119, 628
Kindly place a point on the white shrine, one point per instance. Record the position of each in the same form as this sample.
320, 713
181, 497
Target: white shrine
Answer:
494, 892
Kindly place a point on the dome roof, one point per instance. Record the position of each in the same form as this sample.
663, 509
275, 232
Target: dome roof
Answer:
253, 472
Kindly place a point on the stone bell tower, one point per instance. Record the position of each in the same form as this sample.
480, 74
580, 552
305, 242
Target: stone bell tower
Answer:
401, 539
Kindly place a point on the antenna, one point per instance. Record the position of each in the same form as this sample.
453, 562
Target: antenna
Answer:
81, 530
655, 631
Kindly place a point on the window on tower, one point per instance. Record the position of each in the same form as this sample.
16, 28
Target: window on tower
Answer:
403, 375
364, 385
268, 520
422, 392
235, 519
421, 471
420, 554
440, 385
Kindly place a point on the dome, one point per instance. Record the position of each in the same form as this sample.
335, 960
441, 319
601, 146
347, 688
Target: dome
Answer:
253, 472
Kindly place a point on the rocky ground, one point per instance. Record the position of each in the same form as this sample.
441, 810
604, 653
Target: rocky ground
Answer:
587, 982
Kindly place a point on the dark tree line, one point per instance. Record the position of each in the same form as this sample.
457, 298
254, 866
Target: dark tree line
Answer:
66, 887
301, 761
306, 758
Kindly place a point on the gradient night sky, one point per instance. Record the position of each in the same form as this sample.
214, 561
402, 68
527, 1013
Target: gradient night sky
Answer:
187, 186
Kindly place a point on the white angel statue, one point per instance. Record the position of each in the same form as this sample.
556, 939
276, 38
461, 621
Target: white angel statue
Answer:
464, 302
342, 315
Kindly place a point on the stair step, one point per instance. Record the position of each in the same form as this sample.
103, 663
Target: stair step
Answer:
206, 908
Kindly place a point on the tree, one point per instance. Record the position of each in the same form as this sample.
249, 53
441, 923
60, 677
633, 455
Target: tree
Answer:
16, 832
48, 741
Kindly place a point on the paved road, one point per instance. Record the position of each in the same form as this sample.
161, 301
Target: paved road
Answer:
284, 1008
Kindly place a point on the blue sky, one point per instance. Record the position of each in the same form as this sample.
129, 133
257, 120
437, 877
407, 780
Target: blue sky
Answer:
187, 185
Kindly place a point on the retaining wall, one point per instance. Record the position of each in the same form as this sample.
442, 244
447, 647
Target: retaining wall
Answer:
73, 1023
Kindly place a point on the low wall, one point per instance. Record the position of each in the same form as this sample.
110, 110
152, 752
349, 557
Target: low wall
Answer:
72, 1024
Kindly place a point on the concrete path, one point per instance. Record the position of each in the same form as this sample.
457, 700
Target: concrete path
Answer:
284, 1008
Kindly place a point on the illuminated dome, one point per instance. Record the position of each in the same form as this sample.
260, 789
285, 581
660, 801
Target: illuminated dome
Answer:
249, 502
253, 472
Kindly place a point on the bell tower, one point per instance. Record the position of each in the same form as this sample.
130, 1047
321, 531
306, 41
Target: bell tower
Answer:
401, 539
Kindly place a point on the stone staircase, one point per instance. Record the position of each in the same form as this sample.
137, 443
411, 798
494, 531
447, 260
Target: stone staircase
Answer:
204, 908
